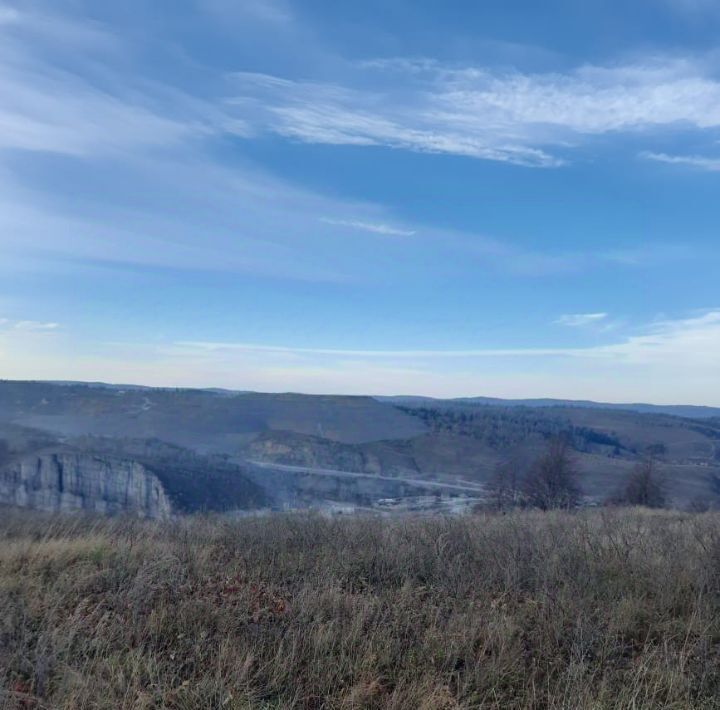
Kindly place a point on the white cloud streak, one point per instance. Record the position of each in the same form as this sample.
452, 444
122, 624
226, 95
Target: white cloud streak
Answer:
33, 325
671, 342
684, 343
370, 227
695, 161
270, 11
369, 354
145, 134
122, 133
473, 111
47, 107
577, 320
664, 362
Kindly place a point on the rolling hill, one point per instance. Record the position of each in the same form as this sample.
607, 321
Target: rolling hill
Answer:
228, 440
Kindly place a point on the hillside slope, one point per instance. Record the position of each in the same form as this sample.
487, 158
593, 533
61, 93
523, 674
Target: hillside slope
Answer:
201, 419
205, 442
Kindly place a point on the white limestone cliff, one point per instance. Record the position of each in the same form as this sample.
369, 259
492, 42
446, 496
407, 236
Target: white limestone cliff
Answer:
66, 482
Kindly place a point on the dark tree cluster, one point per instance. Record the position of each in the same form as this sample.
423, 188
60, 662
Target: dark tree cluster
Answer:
506, 427
549, 482
552, 482
644, 486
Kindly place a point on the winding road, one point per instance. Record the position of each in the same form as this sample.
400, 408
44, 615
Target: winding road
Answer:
468, 488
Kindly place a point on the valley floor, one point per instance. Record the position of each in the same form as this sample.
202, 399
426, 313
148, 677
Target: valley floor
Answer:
600, 609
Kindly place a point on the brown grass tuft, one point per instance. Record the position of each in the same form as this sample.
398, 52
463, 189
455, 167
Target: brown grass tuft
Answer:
604, 609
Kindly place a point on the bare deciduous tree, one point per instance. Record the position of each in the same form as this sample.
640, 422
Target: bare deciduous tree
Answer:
552, 481
645, 486
505, 487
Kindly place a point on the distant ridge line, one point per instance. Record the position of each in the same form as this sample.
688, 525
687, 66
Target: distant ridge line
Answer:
687, 411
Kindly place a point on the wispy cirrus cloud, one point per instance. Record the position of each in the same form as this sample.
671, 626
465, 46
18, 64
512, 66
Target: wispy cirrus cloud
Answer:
50, 108
369, 227
29, 325
577, 320
680, 344
213, 346
314, 112
34, 325
661, 361
664, 361
673, 343
147, 135
117, 131
702, 162
520, 118
144, 134
108, 127
271, 11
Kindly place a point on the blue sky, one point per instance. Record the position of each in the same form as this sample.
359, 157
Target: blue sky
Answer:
446, 198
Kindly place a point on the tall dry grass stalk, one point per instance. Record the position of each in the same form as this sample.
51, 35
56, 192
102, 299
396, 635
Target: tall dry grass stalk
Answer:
605, 609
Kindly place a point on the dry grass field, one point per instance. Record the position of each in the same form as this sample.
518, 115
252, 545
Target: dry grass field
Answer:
599, 609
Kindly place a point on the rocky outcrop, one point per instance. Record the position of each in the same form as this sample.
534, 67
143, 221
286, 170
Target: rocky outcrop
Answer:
68, 482
383, 458
291, 449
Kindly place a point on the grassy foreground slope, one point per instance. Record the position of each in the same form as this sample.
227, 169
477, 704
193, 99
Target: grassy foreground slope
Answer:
602, 609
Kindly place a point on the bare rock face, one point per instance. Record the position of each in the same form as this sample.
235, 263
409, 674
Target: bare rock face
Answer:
291, 449
67, 482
